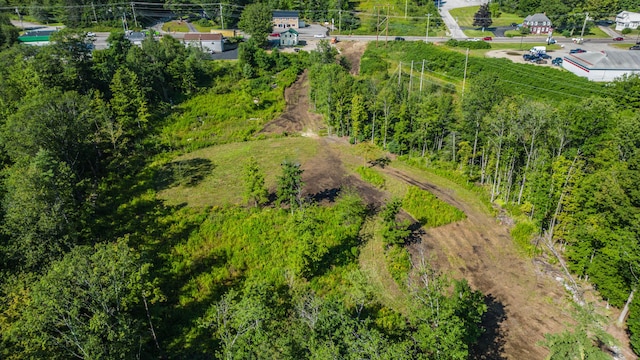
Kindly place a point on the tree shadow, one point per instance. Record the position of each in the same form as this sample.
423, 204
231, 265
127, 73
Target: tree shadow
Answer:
329, 195
183, 172
490, 345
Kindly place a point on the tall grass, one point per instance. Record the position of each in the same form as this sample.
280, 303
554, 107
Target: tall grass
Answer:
371, 176
232, 110
428, 210
522, 235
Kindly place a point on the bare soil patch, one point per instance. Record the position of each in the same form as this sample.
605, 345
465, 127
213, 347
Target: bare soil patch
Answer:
296, 118
524, 299
353, 51
324, 176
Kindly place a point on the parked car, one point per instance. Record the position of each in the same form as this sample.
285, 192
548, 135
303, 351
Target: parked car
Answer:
319, 35
514, 24
635, 47
487, 38
398, 38
576, 51
528, 57
618, 38
545, 56
557, 61
275, 35
91, 34
551, 41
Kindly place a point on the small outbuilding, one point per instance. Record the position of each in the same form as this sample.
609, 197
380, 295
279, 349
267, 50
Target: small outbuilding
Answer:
603, 65
537, 24
286, 19
36, 37
136, 37
210, 43
627, 20
289, 38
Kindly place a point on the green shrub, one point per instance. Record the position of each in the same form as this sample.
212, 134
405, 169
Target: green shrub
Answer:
371, 176
428, 210
468, 44
626, 31
398, 263
522, 235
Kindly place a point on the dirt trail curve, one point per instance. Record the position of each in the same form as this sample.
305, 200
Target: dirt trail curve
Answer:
524, 303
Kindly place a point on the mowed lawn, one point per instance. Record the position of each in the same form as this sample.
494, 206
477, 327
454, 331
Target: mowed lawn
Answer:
464, 17
222, 181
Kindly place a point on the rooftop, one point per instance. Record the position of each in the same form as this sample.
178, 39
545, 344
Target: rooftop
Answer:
628, 16
202, 36
607, 60
285, 14
539, 17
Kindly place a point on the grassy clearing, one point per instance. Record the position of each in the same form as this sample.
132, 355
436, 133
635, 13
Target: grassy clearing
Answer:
226, 169
464, 17
175, 26
478, 33
522, 234
472, 195
428, 209
373, 264
227, 112
371, 176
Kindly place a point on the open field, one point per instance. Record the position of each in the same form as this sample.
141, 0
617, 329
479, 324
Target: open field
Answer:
464, 17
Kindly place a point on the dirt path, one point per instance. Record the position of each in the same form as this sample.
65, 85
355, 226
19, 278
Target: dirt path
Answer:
296, 118
353, 51
524, 299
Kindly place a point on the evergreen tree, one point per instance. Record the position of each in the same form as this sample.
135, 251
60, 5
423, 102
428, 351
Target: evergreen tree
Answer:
482, 18
255, 190
290, 185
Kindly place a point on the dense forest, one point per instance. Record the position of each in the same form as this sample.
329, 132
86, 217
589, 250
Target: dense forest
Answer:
559, 153
95, 264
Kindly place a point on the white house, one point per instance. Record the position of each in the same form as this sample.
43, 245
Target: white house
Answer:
289, 38
627, 20
603, 65
211, 43
537, 24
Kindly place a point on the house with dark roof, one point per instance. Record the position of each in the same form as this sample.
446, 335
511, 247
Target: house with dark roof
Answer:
136, 37
286, 19
210, 43
603, 65
627, 20
537, 24
289, 38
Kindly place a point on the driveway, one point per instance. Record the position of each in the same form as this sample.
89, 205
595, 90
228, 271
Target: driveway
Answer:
452, 26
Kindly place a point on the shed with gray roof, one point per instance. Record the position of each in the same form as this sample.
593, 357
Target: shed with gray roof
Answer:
603, 65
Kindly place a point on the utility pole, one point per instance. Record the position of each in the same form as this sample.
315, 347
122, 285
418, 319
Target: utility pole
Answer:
95, 18
426, 38
20, 16
377, 27
339, 22
135, 20
386, 34
464, 78
421, 75
124, 21
586, 17
221, 18
411, 78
